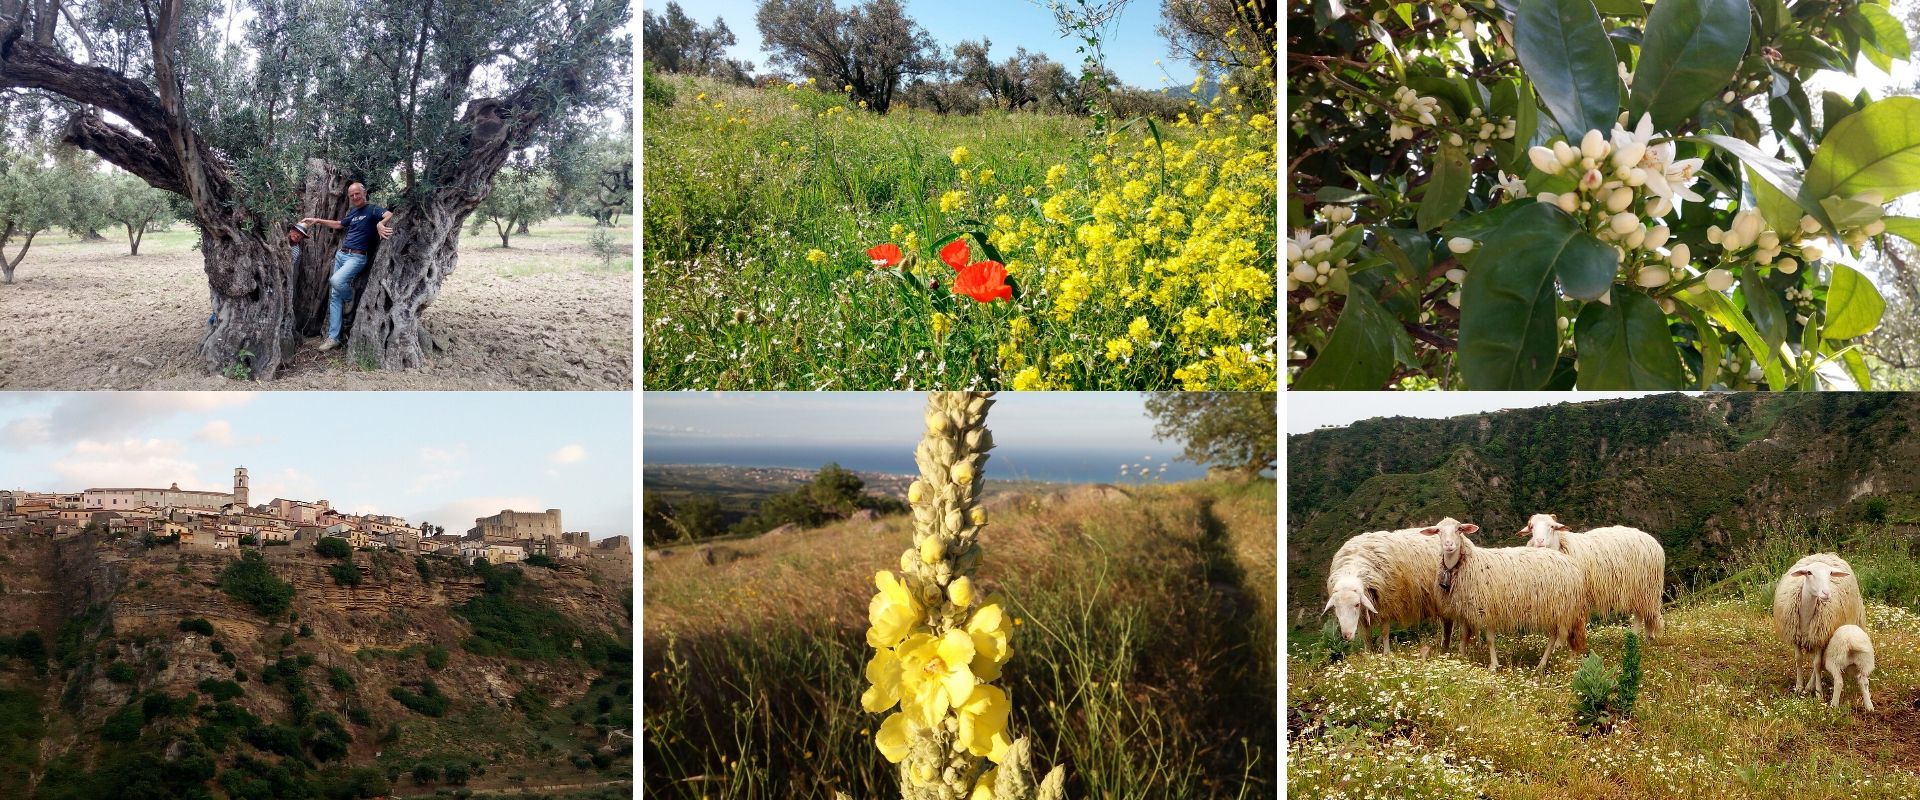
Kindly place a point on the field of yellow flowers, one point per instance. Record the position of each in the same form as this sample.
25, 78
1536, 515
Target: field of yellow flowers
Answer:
1715, 718
793, 242
1140, 649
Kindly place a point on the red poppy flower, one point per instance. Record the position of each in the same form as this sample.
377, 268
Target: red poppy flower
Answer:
956, 254
886, 255
985, 282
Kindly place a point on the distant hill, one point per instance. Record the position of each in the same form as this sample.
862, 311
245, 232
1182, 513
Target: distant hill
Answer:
1705, 475
739, 490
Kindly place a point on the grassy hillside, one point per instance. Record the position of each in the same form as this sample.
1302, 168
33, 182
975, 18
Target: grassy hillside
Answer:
1142, 259
154, 681
1715, 717
1706, 476
1142, 649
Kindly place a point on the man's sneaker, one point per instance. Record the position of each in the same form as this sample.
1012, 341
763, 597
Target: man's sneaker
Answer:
329, 344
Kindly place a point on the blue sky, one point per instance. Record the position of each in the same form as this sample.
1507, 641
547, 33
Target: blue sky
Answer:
441, 457
1131, 47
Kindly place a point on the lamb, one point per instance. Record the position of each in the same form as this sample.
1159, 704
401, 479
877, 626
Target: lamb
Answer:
1499, 590
1382, 578
1816, 596
1624, 569
1850, 647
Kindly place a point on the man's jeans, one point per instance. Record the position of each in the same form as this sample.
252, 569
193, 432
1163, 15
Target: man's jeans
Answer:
345, 267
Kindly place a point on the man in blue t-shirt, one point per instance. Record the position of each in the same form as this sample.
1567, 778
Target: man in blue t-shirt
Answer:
362, 223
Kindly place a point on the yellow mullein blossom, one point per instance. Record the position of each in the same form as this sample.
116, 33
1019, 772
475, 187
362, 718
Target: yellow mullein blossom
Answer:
894, 612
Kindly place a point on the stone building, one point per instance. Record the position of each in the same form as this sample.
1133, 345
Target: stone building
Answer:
509, 525
170, 497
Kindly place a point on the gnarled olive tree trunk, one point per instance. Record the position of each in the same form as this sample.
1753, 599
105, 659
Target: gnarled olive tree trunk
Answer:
323, 194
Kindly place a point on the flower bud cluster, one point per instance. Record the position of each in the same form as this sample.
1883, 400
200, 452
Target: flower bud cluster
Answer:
1315, 260
1411, 104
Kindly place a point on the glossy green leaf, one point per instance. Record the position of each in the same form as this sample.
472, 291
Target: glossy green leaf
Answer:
1876, 148
1446, 189
1769, 315
1833, 108
1564, 49
1781, 212
1857, 367
1509, 331
1692, 49
1707, 340
1884, 31
1626, 344
1773, 171
1721, 310
1361, 352
1621, 8
1907, 228
1854, 306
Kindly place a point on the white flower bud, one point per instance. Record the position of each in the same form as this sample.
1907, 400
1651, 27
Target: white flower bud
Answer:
1748, 224
1714, 235
1875, 228
1726, 97
1637, 239
1653, 277
1809, 225
1453, 299
1620, 199
1302, 272
1769, 240
1666, 304
1452, 138
1457, 275
1623, 223
1565, 153
1594, 145
1310, 304
1568, 202
1591, 180
1629, 155
1719, 280
1659, 206
1544, 160
1680, 256
1812, 251
1459, 245
1787, 265
1657, 237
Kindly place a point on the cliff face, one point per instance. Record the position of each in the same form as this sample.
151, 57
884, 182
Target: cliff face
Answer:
1703, 474
120, 622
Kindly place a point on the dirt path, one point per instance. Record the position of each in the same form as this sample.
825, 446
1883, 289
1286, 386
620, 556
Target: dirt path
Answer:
543, 315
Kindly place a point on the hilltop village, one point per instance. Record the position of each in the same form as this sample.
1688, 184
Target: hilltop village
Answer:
230, 522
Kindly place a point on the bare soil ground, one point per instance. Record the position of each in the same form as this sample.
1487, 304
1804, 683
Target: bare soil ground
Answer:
545, 314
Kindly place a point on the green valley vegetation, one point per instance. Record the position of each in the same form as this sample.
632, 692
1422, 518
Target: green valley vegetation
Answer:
1704, 475
249, 581
834, 493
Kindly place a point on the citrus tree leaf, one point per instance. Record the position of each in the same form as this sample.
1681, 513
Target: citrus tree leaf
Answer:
1721, 310
1876, 148
1447, 189
1768, 313
1907, 228
1362, 350
1883, 31
1509, 332
1626, 344
1565, 51
1779, 174
1691, 51
1854, 306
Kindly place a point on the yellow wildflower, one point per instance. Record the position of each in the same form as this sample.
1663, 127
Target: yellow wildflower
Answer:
894, 612
951, 200
934, 676
1056, 174
941, 324
893, 736
991, 640
983, 722
816, 256
960, 155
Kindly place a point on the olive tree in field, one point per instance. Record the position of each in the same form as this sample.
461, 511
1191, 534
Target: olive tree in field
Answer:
872, 47
31, 201
521, 197
422, 100
88, 191
675, 42
1237, 431
1592, 194
139, 208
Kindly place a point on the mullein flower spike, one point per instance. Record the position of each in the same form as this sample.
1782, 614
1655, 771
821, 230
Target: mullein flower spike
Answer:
936, 653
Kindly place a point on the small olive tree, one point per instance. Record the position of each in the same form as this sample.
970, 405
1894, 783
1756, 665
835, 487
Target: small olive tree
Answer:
30, 203
521, 196
139, 208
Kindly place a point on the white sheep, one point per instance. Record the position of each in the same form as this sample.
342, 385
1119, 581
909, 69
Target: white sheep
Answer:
1499, 590
1385, 578
1816, 596
1623, 569
1850, 647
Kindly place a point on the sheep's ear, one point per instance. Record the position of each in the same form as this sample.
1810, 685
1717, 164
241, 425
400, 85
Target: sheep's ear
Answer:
1368, 602
1801, 572
1468, 527
1839, 574
1430, 531
1524, 533
1323, 612
1559, 527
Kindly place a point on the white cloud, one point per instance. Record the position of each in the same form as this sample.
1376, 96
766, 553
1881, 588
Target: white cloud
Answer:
458, 516
427, 481
217, 431
571, 454
149, 463
436, 455
27, 431
289, 483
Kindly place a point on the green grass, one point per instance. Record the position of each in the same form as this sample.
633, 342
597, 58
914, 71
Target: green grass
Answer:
1140, 661
742, 184
1716, 717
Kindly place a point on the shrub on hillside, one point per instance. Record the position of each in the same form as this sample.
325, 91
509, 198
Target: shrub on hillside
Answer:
248, 581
